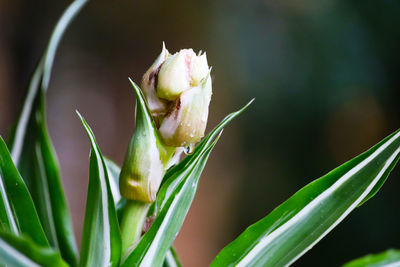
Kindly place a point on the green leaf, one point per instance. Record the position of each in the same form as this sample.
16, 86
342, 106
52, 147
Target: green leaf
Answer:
33, 152
388, 258
173, 202
114, 171
171, 259
145, 151
152, 248
17, 211
18, 251
298, 224
166, 191
101, 240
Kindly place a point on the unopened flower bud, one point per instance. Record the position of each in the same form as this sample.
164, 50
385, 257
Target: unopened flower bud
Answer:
142, 170
186, 122
180, 72
146, 158
179, 93
157, 105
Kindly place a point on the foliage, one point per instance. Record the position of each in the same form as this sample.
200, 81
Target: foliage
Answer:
36, 228
387, 258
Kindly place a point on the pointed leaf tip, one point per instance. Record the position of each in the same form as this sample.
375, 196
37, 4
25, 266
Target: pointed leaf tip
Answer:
387, 258
304, 219
33, 152
101, 240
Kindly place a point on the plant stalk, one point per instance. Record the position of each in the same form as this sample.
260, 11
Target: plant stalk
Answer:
133, 218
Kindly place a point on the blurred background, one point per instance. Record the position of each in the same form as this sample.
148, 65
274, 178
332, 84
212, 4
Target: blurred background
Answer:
325, 75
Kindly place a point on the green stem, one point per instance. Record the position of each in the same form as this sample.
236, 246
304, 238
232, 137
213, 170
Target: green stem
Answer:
133, 217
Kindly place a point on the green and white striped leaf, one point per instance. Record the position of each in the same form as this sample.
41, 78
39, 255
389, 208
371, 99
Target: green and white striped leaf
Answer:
101, 239
154, 245
18, 251
33, 152
17, 211
389, 258
166, 191
298, 224
171, 259
114, 170
173, 202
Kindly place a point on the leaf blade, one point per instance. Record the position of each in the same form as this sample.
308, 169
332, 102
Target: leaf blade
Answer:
153, 246
165, 193
113, 171
21, 252
101, 240
31, 141
171, 259
174, 200
299, 223
387, 258
41, 77
18, 213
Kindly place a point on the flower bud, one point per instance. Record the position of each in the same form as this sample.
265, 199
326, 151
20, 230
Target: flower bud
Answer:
180, 72
186, 122
157, 105
142, 170
183, 85
146, 158
176, 92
